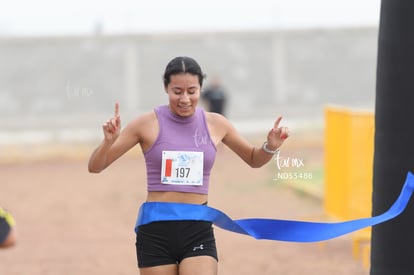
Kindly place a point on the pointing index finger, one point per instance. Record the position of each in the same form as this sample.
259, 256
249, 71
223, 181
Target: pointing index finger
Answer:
276, 125
116, 109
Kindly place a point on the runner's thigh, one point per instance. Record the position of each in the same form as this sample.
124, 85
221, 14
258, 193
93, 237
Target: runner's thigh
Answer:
200, 265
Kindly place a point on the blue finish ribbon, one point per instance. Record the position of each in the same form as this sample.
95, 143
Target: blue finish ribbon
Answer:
271, 229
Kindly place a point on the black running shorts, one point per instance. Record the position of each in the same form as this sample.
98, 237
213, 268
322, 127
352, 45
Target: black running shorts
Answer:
169, 242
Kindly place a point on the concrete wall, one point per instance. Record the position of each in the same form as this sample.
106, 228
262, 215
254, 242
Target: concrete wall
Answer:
73, 82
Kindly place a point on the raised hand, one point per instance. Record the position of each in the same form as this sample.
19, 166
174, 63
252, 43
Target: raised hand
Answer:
277, 135
112, 127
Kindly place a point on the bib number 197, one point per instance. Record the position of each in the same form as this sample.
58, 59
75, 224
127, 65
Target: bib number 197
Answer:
182, 172
182, 168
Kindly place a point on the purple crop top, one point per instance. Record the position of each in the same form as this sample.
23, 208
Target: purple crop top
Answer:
180, 134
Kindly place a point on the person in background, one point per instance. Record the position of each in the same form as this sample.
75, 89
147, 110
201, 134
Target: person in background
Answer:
7, 231
215, 96
169, 135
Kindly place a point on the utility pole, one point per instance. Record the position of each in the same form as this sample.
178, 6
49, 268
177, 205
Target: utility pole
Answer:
393, 241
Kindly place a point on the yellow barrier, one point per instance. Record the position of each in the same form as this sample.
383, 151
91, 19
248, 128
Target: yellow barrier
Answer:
336, 162
349, 151
349, 154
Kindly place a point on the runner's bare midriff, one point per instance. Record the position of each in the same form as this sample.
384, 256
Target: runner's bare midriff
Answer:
180, 197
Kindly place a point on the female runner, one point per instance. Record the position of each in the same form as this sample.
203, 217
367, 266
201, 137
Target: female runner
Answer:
179, 142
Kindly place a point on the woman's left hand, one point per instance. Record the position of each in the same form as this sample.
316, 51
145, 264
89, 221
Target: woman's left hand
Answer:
277, 135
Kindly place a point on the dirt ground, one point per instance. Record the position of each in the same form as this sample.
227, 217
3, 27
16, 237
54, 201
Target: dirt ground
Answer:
76, 223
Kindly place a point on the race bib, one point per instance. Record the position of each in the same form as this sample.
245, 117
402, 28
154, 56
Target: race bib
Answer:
182, 167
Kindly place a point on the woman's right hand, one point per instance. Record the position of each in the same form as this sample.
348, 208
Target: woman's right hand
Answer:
112, 127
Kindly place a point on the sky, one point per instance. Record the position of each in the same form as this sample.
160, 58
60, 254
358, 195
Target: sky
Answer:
78, 17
